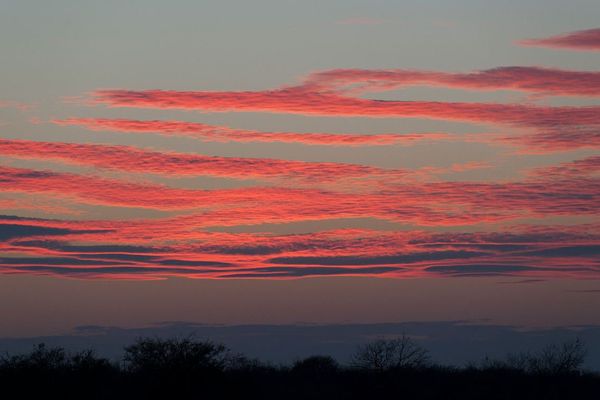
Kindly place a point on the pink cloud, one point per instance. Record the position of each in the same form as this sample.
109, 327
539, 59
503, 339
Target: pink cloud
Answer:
589, 166
133, 250
554, 139
180, 164
538, 80
226, 134
295, 101
423, 203
333, 93
15, 104
580, 40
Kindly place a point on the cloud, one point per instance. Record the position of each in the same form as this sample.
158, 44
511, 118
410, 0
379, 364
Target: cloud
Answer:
476, 269
15, 104
337, 93
111, 272
298, 272
590, 250
132, 159
45, 204
588, 40
537, 80
11, 231
303, 102
589, 166
427, 203
384, 259
99, 191
226, 134
139, 250
555, 139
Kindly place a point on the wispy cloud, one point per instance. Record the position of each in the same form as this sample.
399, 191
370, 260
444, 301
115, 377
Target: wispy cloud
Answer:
185, 244
15, 104
327, 94
226, 134
133, 159
538, 80
428, 203
588, 40
554, 139
337, 93
524, 251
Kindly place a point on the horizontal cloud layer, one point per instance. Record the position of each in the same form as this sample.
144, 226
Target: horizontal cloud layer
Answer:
226, 134
429, 203
300, 101
132, 159
524, 251
192, 240
336, 93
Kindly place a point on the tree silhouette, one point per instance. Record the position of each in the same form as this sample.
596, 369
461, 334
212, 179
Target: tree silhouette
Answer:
385, 354
397, 368
41, 358
554, 359
174, 356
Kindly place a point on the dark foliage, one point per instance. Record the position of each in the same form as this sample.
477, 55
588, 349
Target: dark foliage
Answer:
188, 368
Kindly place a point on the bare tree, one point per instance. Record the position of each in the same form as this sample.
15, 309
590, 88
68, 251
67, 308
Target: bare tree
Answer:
384, 354
565, 358
554, 359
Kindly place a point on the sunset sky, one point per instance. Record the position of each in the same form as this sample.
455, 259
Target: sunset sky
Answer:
292, 162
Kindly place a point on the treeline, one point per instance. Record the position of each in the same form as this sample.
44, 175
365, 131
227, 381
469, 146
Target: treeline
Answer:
194, 369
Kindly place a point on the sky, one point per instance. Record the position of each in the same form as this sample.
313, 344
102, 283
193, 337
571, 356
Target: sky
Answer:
299, 162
